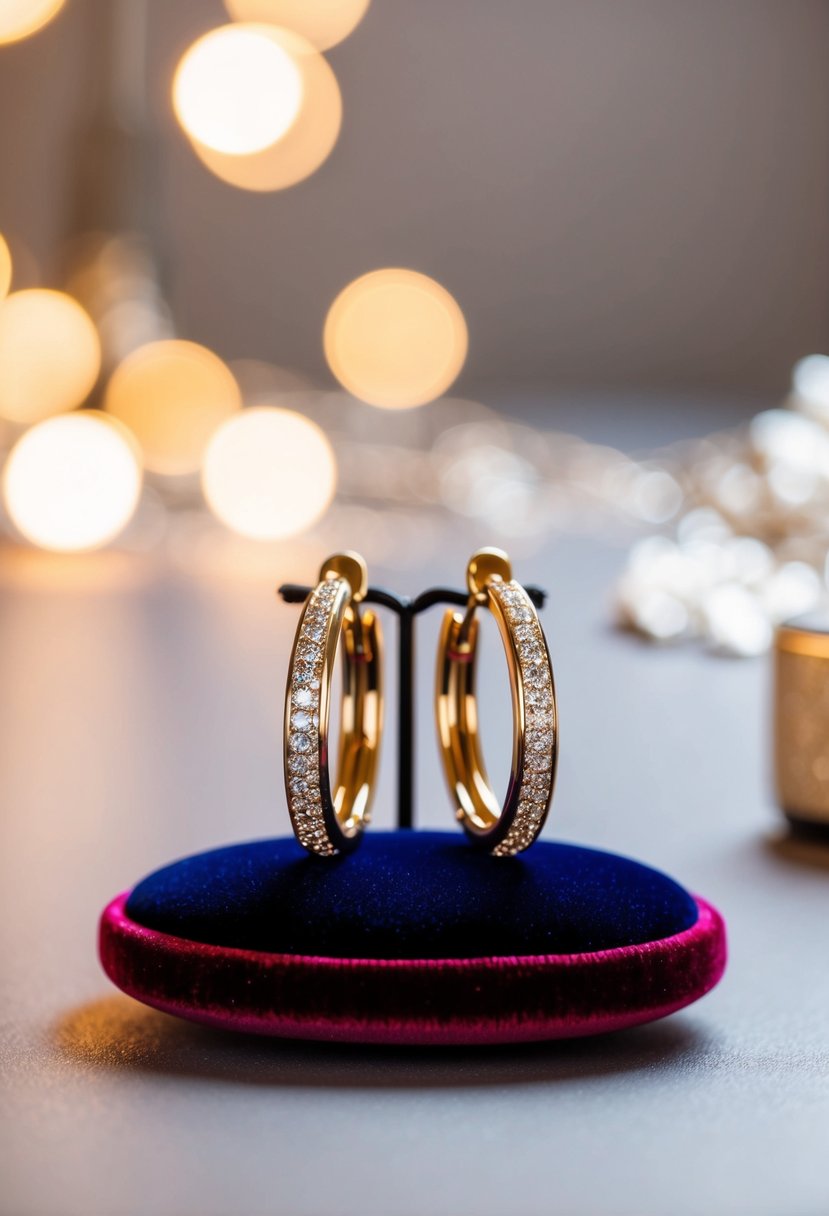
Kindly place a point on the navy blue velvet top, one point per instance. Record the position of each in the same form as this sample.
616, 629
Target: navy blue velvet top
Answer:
412, 895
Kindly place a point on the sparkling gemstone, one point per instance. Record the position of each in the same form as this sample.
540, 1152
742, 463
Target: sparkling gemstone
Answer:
306, 677
298, 785
537, 761
540, 740
300, 742
300, 720
538, 697
537, 782
314, 632
298, 765
531, 653
303, 698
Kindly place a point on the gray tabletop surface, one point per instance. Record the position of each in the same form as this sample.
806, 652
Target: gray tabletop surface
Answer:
139, 721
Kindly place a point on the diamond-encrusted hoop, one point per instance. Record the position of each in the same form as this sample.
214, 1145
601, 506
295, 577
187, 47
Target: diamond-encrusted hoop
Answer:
535, 782
306, 778
329, 817
508, 828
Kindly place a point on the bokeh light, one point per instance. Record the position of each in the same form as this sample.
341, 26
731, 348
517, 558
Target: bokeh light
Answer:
50, 355
237, 90
395, 338
73, 482
323, 22
810, 382
269, 473
308, 141
172, 395
20, 18
5, 268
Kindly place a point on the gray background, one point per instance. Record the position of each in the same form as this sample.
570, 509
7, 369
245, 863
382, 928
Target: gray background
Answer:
618, 192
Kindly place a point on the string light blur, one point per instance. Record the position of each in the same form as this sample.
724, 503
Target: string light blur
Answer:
72, 483
236, 90
50, 355
323, 22
305, 145
172, 395
5, 268
395, 338
269, 473
21, 18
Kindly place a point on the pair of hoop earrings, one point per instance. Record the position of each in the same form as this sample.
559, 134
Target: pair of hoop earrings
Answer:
328, 819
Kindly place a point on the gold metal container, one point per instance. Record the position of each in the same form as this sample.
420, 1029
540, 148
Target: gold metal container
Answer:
801, 720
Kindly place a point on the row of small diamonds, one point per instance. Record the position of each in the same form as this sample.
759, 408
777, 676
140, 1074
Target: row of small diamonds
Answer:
539, 745
304, 798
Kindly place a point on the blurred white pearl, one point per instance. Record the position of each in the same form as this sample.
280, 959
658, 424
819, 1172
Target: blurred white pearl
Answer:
751, 561
810, 381
713, 560
703, 523
658, 563
655, 613
739, 490
735, 622
792, 589
656, 496
781, 437
792, 486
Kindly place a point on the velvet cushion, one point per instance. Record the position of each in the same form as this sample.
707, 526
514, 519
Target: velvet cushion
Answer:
412, 895
415, 938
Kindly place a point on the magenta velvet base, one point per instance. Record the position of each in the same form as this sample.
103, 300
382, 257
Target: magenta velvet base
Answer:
413, 1001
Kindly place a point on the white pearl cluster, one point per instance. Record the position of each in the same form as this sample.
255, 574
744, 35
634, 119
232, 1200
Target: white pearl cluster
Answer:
750, 548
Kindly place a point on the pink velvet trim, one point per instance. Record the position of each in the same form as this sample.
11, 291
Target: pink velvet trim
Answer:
421, 1001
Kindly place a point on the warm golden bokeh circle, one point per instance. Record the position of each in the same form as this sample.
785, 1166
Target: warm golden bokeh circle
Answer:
307, 142
20, 18
172, 395
5, 268
72, 482
395, 338
323, 22
237, 90
50, 355
269, 473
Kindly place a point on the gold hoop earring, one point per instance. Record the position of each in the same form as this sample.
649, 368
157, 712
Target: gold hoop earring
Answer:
508, 829
329, 820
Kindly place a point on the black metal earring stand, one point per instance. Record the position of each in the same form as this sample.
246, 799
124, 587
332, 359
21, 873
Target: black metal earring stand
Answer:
406, 610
